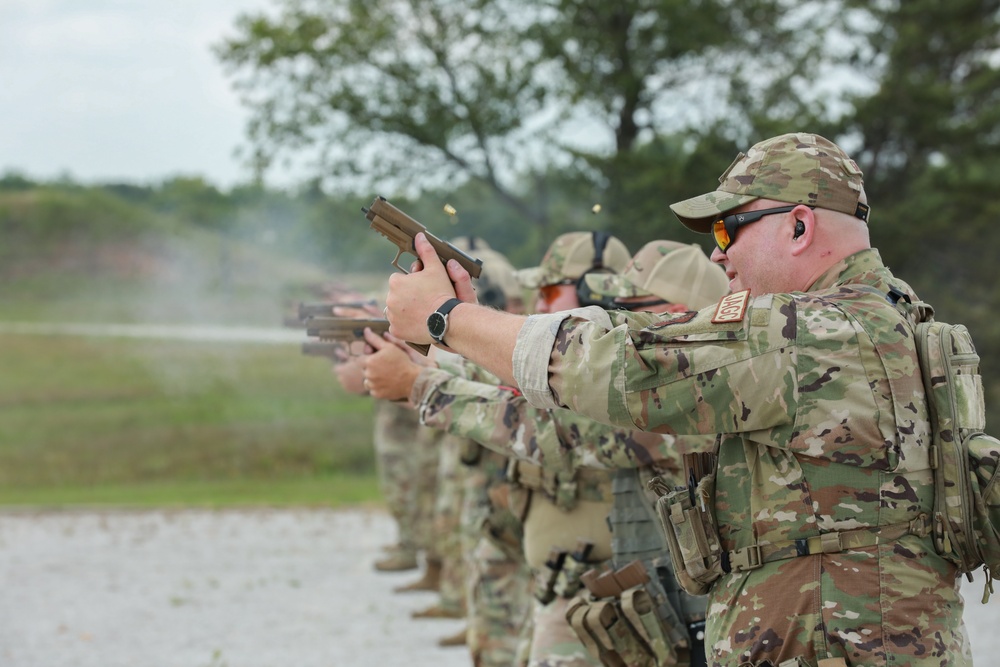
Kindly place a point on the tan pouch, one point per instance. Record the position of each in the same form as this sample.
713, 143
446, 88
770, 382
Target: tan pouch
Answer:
691, 531
638, 609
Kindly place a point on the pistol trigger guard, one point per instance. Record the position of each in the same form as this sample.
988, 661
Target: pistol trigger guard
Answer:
395, 263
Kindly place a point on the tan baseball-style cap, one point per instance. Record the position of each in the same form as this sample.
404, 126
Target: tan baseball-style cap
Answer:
674, 272
570, 256
798, 168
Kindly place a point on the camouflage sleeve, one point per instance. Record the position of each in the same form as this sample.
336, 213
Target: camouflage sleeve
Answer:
460, 366
534, 347
683, 373
501, 419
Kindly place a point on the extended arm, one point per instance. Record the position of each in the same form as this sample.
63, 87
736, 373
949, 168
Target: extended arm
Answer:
499, 418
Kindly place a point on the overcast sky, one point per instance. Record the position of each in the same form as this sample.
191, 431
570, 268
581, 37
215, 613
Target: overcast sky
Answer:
119, 90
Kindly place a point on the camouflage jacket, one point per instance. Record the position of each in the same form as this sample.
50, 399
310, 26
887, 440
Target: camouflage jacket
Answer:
824, 429
501, 419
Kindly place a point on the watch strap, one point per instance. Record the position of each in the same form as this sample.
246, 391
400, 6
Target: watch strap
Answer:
448, 305
443, 311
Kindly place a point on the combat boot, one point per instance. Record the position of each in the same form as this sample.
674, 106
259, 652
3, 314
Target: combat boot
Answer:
431, 581
398, 561
437, 611
458, 639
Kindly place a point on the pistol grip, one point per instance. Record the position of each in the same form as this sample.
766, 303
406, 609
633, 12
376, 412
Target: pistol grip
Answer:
419, 347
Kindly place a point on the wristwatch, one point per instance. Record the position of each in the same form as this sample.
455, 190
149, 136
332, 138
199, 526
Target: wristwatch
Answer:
437, 322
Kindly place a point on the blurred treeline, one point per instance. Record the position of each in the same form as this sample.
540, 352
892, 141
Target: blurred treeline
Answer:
523, 115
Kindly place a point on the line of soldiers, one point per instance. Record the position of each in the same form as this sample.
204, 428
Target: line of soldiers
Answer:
537, 525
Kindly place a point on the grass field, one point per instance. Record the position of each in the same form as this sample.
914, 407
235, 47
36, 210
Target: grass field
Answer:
112, 421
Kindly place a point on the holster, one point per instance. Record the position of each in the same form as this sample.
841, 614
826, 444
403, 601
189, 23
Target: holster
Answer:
692, 533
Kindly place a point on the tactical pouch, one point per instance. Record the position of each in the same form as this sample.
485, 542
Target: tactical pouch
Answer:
547, 577
691, 531
622, 631
569, 581
470, 452
966, 526
559, 486
505, 532
584, 616
617, 620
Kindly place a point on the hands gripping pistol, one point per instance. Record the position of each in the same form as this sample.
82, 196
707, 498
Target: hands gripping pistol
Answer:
340, 330
349, 330
401, 229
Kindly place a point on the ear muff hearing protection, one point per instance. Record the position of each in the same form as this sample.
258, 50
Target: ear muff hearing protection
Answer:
583, 292
490, 294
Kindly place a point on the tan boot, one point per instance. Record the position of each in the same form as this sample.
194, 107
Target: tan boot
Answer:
431, 581
399, 561
437, 611
457, 639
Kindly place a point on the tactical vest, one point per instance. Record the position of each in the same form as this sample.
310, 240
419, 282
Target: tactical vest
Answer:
563, 487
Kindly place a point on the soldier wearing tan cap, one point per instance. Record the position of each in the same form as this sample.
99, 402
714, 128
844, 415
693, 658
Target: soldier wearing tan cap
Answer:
809, 524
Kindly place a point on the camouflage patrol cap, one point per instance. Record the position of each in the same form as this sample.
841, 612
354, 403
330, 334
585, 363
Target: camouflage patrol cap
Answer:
570, 256
674, 272
798, 168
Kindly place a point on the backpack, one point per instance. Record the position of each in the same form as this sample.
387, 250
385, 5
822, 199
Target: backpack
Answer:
966, 516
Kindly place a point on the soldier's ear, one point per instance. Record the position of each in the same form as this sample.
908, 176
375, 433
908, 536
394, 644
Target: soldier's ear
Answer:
802, 232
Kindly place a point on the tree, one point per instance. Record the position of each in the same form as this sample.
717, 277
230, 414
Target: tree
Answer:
429, 93
929, 135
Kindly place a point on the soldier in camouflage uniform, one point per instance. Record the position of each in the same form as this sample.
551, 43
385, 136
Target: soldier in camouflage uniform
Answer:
662, 277
497, 580
391, 425
578, 509
822, 485
564, 506
404, 455
459, 459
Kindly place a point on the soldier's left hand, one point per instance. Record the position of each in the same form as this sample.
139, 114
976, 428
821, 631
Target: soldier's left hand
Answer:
389, 372
351, 375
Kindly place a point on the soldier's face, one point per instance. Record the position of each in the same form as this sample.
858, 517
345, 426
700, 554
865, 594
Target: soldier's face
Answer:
555, 298
757, 260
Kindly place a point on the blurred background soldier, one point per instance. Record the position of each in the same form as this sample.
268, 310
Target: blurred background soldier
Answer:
496, 580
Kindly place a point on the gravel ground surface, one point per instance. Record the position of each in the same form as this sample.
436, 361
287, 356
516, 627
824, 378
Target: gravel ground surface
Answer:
260, 588
266, 588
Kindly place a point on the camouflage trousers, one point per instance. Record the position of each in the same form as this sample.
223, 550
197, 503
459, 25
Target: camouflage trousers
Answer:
498, 586
448, 524
553, 642
406, 458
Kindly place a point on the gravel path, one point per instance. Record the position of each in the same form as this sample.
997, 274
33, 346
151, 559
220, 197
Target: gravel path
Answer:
208, 589
256, 588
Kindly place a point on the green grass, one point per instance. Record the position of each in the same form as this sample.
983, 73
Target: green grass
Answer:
144, 422
329, 491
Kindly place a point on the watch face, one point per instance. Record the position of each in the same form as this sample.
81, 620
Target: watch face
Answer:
436, 324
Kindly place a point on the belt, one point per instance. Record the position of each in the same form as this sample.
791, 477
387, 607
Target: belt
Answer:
755, 555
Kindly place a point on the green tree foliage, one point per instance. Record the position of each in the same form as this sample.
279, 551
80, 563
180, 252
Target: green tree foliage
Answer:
429, 93
930, 134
